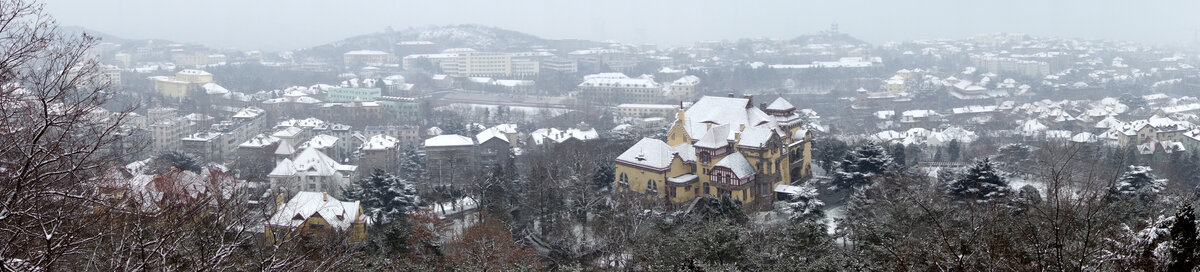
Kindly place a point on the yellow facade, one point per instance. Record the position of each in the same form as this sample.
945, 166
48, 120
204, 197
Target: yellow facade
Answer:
172, 88
305, 216
779, 161
183, 82
317, 227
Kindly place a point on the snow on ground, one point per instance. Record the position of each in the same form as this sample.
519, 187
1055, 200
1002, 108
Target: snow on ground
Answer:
832, 215
1018, 181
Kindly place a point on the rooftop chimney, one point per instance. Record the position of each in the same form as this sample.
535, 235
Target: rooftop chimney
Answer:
730, 95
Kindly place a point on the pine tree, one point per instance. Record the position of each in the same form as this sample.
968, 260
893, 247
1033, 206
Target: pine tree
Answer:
981, 183
1183, 240
827, 151
604, 176
860, 165
412, 165
1138, 182
954, 148
179, 160
384, 197
803, 206
1013, 154
898, 155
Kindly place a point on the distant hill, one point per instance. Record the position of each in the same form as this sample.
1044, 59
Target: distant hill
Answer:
104, 37
482, 38
826, 37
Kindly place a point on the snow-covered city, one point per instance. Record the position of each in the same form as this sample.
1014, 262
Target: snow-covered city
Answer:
570, 136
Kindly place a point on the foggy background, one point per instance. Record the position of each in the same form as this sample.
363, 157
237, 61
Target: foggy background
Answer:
285, 25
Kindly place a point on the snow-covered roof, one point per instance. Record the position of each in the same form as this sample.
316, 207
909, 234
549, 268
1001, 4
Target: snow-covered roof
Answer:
449, 140
366, 52
685, 178
194, 72
259, 141
1084, 137
650, 153
756, 137
310, 162
288, 132
1032, 125
540, 136
738, 164
302, 123
213, 88
619, 80
717, 137
1109, 122
780, 104
686, 152
514, 82
339, 214
491, 133
688, 80
379, 142
249, 112
320, 141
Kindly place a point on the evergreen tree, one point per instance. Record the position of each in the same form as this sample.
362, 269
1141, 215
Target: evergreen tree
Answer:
803, 206
954, 149
1136, 183
981, 183
604, 176
860, 165
179, 160
898, 155
384, 197
914, 153
709, 209
1013, 154
827, 151
412, 166
1183, 240
1132, 101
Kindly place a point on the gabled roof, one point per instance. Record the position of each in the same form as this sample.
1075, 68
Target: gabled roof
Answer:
738, 164
756, 137
686, 152
717, 137
289, 132
339, 214
1109, 122
651, 153
310, 162
285, 148
259, 141
491, 133
780, 104
449, 140
320, 141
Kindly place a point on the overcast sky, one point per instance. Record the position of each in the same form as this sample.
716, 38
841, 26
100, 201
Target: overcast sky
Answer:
284, 25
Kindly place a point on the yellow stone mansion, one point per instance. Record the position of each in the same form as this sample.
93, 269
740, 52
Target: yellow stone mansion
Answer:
720, 146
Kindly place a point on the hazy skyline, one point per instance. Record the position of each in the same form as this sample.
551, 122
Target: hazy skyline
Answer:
276, 25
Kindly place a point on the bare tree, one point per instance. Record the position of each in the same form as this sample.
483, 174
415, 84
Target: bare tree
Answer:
53, 125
